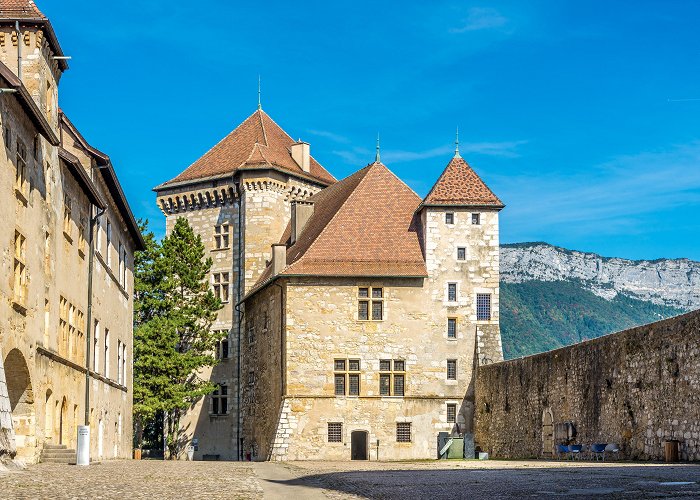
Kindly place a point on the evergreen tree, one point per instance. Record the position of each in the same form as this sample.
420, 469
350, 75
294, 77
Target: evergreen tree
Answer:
173, 341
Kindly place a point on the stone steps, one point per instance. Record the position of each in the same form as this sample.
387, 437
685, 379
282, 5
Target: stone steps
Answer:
57, 454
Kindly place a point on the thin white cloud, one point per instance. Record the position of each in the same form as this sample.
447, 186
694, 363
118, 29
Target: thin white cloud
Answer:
481, 18
330, 135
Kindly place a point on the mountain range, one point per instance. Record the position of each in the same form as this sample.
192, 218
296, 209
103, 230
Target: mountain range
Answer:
552, 297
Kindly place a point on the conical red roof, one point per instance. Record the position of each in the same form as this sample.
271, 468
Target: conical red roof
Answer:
459, 185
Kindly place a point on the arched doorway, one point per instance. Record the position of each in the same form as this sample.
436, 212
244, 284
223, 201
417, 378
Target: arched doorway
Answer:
48, 417
63, 423
547, 433
358, 445
19, 390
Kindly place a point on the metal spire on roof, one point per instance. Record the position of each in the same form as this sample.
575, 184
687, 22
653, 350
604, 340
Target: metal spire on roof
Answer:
457, 155
376, 157
259, 105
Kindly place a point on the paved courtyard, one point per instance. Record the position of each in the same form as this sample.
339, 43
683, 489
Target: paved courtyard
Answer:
343, 480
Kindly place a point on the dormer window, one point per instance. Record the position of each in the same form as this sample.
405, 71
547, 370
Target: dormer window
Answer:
449, 218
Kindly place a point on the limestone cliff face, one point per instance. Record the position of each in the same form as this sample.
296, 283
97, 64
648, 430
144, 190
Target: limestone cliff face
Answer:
668, 282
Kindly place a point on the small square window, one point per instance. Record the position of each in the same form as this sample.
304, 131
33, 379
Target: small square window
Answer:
377, 293
384, 365
451, 413
363, 292
476, 219
452, 292
340, 385
403, 432
339, 365
451, 369
354, 365
451, 328
461, 253
335, 432
399, 365
449, 218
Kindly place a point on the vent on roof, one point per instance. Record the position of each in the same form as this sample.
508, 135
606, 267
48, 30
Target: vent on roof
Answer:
301, 153
301, 213
279, 258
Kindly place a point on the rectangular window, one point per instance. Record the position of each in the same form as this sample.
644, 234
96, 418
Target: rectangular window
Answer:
106, 353
451, 328
346, 383
373, 302
251, 331
353, 385
476, 219
451, 369
394, 382
221, 286
21, 184
354, 365
483, 306
335, 432
37, 146
403, 432
340, 385
251, 378
452, 292
63, 325
219, 400
108, 248
449, 218
398, 385
399, 365
119, 361
82, 232
67, 211
98, 235
339, 365
384, 365
461, 253
222, 348
96, 347
20, 287
385, 385
451, 413
123, 364
122, 265
221, 236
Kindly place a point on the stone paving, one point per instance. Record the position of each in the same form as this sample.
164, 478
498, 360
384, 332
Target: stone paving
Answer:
352, 480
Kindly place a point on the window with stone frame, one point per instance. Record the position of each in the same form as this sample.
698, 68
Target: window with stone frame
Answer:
392, 377
403, 432
122, 265
67, 211
449, 218
461, 253
451, 369
221, 286
71, 329
452, 292
222, 236
219, 400
451, 328
108, 246
222, 346
82, 231
37, 146
21, 182
483, 306
96, 347
370, 303
335, 432
119, 361
451, 413
63, 325
20, 284
346, 377
476, 219
251, 330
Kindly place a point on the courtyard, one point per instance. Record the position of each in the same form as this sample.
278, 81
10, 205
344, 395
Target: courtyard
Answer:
348, 480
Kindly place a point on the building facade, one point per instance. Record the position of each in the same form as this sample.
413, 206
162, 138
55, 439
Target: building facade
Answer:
55, 185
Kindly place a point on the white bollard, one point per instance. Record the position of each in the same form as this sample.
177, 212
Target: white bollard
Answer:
83, 451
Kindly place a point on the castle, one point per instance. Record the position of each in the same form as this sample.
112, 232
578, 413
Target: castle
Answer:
67, 263
357, 311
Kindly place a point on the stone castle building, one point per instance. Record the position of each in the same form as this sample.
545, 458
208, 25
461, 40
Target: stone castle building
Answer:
54, 184
357, 312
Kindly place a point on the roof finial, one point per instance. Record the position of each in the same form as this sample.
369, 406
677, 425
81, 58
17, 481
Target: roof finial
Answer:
457, 155
376, 157
259, 105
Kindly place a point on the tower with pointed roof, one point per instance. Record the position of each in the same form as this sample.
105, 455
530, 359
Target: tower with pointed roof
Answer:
238, 197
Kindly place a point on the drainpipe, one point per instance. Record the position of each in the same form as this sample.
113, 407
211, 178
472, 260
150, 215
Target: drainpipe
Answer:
239, 281
19, 50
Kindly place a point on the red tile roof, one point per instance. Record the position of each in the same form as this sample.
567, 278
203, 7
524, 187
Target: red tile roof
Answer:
459, 185
258, 142
364, 225
20, 9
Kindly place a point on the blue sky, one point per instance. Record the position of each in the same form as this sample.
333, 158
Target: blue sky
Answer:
582, 116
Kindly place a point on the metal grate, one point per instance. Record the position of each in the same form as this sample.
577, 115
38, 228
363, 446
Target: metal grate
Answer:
451, 413
403, 432
335, 432
483, 306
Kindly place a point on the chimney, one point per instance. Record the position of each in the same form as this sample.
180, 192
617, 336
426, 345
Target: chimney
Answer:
301, 213
279, 258
301, 153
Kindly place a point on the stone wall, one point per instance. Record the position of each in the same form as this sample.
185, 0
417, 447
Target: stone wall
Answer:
637, 388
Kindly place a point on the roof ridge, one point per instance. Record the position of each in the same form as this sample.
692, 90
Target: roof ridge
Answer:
340, 209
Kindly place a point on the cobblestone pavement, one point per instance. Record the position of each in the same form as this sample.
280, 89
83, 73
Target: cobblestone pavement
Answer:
352, 480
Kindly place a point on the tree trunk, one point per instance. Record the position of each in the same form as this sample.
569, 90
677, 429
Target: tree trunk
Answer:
165, 435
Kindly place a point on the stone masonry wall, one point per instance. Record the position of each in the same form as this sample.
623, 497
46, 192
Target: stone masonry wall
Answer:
637, 388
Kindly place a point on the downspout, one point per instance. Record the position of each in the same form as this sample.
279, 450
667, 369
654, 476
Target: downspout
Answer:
19, 50
239, 280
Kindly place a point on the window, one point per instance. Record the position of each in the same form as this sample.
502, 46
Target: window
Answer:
335, 432
21, 184
392, 383
345, 381
483, 306
8, 138
451, 413
119, 361
106, 353
221, 236
451, 328
221, 286
373, 304
109, 244
67, 209
451, 369
403, 432
251, 331
452, 292
98, 235
476, 219
63, 324
449, 218
461, 253
219, 400
82, 224
251, 378
37, 146
120, 256
266, 321
20, 288
123, 364
71, 329
222, 350
95, 348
